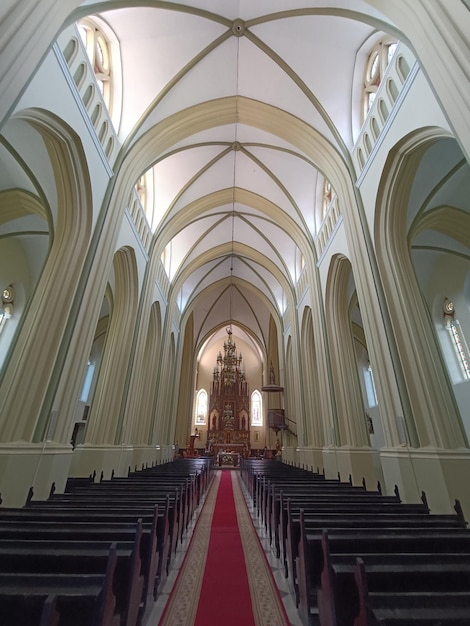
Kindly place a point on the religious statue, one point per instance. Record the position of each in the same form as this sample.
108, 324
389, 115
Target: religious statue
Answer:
228, 417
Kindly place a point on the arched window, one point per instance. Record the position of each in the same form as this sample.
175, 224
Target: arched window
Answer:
98, 51
256, 409
457, 338
86, 388
141, 189
377, 63
370, 386
201, 408
328, 193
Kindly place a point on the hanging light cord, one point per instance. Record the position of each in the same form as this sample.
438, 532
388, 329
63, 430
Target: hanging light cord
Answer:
233, 187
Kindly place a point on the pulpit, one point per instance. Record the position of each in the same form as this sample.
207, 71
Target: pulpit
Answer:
192, 439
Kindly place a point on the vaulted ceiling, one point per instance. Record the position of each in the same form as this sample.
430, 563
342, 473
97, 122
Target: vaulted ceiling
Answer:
222, 97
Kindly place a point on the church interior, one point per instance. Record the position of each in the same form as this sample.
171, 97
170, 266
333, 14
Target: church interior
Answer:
235, 230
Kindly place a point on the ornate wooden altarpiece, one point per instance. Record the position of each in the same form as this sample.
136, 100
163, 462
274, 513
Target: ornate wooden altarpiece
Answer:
229, 404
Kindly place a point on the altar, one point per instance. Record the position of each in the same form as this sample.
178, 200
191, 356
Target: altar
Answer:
229, 407
228, 458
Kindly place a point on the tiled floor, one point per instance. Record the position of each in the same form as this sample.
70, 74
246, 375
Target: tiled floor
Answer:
278, 574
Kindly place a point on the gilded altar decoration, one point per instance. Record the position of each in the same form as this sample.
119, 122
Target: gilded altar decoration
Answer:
229, 404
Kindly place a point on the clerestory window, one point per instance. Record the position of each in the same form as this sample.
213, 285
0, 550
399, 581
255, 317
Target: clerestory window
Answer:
327, 197
99, 53
377, 62
457, 337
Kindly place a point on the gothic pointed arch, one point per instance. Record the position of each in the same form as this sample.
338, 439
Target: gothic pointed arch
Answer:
188, 365
106, 424
313, 419
433, 418
148, 378
351, 415
65, 192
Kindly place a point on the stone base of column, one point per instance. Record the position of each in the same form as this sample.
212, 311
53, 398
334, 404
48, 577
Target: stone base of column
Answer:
308, 457
89, 459
167, 452
441, 474
362, 464
37, 465
291, 456
146, 456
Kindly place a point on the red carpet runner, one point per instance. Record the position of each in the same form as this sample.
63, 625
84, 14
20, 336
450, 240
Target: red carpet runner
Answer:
225, 578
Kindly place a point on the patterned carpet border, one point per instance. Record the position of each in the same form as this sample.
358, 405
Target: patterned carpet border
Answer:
182, 606
266, 602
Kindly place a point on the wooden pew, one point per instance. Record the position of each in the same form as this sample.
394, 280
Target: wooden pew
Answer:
154, 484
79, 534
405, 606
114, 503
371, 511
319, 495
199, 470
320, 501
175, 481
64, 600
181, 494
182, 486
399, 570
168, 506
368, 521
327, 559
91, 514
73, 557
307, 484
253, 471
36, 610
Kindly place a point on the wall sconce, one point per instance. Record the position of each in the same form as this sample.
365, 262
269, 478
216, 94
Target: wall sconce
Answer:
8, 296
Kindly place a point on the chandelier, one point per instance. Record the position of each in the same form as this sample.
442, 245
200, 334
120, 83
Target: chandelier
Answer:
229, 366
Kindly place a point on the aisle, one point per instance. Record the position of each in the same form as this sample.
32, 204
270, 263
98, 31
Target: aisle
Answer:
224, 578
